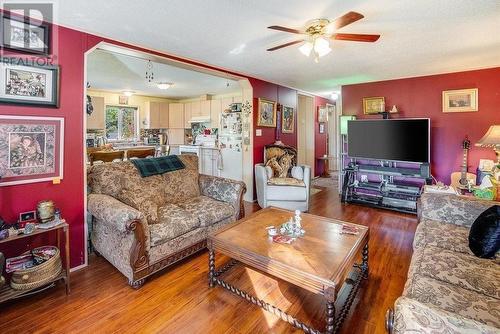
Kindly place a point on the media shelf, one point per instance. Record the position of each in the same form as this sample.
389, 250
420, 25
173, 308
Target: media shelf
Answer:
384, 184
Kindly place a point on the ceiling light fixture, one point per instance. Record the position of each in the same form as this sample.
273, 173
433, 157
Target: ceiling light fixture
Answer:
164, 85
334, 96
320, 47
128, 93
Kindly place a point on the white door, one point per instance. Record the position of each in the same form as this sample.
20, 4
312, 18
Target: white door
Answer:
305, 131
333, 136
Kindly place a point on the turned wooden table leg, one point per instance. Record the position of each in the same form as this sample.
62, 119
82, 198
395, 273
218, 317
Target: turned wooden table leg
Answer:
211, 268
365, 266
67, 259
330, 317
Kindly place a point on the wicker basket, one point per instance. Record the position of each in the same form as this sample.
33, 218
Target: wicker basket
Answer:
37, 276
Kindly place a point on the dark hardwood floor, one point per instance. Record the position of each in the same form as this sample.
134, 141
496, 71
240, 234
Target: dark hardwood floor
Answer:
178, 300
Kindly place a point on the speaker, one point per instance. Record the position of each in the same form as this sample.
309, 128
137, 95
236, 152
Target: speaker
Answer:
425, 171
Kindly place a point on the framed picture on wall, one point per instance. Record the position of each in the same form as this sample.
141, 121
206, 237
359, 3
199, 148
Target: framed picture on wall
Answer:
373, 105
266, 115
24, 82
287, 119
24, 35
322, 114
461, 100
123, 99
34, 149
321, 127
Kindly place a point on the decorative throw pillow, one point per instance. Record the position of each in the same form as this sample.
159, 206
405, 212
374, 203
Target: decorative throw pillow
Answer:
297, 173
484, 235
286, 164
275, 166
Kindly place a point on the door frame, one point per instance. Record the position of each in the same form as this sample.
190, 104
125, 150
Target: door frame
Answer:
309, 127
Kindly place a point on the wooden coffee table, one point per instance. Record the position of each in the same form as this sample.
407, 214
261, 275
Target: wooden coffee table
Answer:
323, 261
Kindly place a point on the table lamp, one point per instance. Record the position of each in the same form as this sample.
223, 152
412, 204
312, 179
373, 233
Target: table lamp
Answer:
492, 139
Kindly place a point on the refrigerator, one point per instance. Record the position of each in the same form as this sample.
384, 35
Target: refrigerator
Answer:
230, 145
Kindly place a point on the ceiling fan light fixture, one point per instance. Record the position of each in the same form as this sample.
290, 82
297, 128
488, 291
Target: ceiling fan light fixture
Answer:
128, 93
164, 85
321, 46
306, 48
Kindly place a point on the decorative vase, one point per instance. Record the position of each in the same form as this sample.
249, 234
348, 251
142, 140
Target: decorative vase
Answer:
45, 211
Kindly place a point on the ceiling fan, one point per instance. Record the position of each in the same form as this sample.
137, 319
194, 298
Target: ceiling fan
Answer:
318, 33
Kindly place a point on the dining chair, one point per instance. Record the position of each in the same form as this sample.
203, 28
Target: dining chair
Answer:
140, 153
106, 156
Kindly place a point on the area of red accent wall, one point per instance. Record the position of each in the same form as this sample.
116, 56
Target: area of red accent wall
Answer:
69, 194
422, 97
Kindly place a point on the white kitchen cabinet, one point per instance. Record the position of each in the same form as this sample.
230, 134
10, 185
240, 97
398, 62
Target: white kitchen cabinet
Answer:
175, 136
215, 111
96, 119
187, 115
226, 102
209, 158
164, 115
205, 109
237, 99
157, 115
176, 116
195, 109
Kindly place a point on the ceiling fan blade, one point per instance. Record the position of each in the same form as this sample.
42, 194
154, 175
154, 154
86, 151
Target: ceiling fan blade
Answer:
285, 29
285, 45
356, 37
345, 20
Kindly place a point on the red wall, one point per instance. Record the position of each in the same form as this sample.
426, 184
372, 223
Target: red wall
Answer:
69, 194
421, 97
69, 55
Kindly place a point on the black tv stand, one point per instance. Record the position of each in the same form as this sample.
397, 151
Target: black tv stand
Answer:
384, 184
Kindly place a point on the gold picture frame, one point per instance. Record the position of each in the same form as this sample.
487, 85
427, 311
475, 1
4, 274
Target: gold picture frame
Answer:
373, 105
266, 114
322, 114
461, 100
287, 119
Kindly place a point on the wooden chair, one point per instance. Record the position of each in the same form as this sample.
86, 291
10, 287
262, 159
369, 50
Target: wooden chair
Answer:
140, 153
106, 156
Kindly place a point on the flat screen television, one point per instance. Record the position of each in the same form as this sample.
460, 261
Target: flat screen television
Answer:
390, 139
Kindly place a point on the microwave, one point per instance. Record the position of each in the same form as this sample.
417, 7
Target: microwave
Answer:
235, 107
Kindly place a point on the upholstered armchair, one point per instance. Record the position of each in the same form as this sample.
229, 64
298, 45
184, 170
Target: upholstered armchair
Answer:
280, 182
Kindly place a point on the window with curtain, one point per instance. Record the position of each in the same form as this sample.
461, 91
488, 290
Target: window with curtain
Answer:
121, 123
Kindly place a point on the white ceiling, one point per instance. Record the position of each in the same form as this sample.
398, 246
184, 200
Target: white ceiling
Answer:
418, 37
117, 72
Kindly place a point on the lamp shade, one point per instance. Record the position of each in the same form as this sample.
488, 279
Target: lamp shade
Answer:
491, 138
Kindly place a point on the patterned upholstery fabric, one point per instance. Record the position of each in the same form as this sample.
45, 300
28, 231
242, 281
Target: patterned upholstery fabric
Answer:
119, 196
453, 298
463, 270
412, 316
447, 236
223, 190
173, 222
207, 211
449, 290
286, 181
184, 241
452, 209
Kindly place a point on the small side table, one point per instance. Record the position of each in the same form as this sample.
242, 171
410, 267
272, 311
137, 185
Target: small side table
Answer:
325, 166
7, 293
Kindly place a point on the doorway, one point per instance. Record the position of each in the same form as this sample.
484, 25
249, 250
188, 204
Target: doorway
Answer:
333, 136
305, 131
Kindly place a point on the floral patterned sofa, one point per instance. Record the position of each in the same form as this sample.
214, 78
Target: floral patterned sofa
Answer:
449, 290
141, 225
